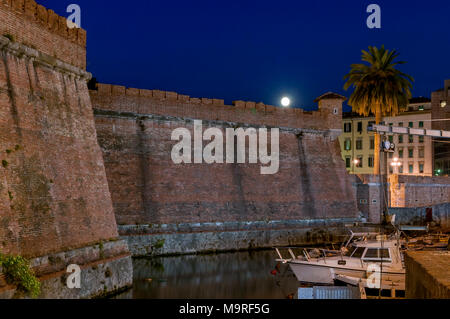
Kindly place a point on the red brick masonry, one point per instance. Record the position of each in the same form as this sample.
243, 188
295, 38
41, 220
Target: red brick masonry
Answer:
134, 131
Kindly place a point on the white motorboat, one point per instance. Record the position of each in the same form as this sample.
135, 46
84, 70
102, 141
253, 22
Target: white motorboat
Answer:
375, 260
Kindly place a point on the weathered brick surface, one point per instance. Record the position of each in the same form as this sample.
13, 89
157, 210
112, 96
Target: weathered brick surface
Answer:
148, 188
53, 189
37, 27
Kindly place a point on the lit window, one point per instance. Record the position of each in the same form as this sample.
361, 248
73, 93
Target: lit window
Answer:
360, 162
443, 103
348, 144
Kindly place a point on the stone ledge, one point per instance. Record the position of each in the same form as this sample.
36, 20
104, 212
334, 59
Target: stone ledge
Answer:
21, 50
333, 133
151, 229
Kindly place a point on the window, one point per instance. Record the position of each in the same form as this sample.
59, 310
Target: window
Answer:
360, 125
400, 152
391, 124
348, 144
377, 254
410, 152
370, 161
348, 162
400, 139
421, 124
400, 169
359, 144
391, 170
411, 124
347, 127
391, 138
421, 152
443, 103
410, 139
421, 139
372, 143
400, 124
411, 168
421, 170
369, 124
421, 108
360, 162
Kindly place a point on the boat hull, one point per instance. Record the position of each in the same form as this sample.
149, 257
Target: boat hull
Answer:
325, 275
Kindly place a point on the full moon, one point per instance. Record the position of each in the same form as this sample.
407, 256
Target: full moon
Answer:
285, 102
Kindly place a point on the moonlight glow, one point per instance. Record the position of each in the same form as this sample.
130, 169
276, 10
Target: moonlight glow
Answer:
285, 102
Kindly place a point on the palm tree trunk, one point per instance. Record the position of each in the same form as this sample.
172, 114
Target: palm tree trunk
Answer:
376, 166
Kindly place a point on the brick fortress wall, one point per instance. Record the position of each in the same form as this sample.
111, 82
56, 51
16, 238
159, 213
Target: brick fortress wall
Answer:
54, 196
134, 130
42, 29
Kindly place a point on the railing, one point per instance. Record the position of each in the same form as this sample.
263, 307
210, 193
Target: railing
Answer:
308, 253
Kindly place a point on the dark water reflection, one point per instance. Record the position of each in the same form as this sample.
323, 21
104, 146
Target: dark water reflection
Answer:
237, 275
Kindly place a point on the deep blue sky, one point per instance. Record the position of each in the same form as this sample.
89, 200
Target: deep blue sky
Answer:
257, 50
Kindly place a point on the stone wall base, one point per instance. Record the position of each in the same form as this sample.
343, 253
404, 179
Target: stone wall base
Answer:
174, 243
107, 269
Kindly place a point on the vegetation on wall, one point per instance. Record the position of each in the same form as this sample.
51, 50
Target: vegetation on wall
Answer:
18, 272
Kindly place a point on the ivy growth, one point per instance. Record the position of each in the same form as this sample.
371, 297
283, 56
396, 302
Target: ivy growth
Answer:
18, 272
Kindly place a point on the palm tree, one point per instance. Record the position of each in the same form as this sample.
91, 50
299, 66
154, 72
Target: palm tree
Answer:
379, 88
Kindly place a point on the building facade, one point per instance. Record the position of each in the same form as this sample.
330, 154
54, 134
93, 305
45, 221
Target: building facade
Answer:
414, 154
440, 104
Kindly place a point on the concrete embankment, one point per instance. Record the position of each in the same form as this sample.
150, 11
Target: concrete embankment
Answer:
175, 239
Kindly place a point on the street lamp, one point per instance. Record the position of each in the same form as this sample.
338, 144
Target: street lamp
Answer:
396, 163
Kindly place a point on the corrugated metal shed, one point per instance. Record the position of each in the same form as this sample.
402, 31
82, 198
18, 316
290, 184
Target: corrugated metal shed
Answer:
329, 292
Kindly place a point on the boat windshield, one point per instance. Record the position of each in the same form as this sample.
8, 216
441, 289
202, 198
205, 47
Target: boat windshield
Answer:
354, 251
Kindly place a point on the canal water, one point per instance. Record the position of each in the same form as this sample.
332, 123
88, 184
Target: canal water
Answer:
238, 275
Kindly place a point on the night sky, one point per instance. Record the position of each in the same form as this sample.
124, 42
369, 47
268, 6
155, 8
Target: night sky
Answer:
257, 50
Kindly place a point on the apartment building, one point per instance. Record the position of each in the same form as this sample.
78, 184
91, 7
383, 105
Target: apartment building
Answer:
440, 104
413, 154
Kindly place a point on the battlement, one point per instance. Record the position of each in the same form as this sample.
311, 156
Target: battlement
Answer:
122, 99
33, 25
